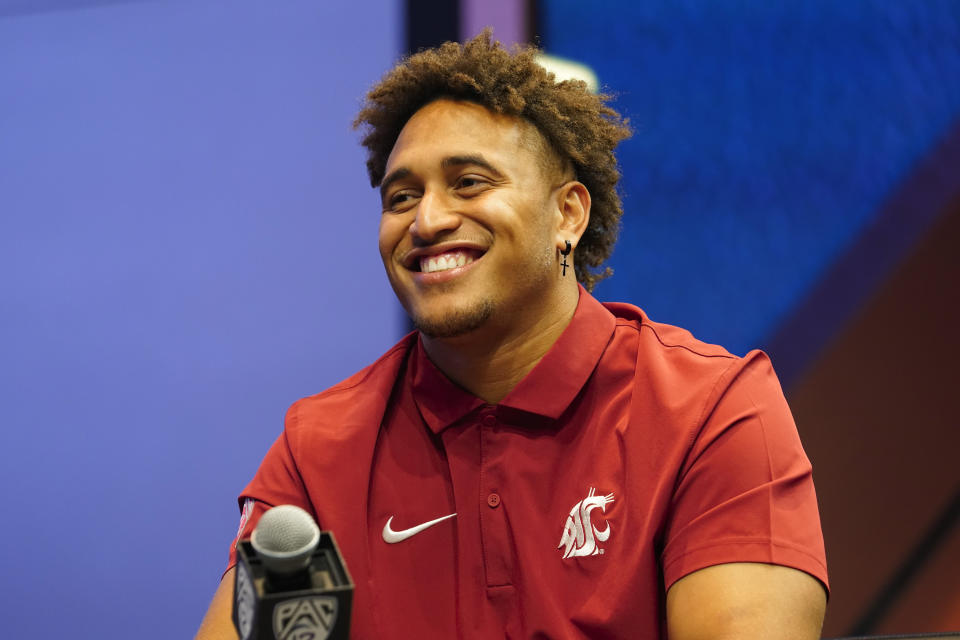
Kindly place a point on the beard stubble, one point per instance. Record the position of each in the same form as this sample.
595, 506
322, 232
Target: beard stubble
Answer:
457, 323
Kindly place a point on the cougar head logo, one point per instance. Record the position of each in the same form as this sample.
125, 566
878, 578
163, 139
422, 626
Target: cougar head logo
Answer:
579, 535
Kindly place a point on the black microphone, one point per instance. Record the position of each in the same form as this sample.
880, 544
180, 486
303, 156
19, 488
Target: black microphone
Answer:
292, 583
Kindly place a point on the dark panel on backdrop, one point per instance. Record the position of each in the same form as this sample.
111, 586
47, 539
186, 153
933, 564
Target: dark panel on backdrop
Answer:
431, 22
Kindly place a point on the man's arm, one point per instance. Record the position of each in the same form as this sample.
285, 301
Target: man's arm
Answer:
746, 600
217, 624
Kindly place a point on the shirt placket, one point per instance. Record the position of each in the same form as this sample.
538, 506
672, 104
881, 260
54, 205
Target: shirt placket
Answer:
494, 531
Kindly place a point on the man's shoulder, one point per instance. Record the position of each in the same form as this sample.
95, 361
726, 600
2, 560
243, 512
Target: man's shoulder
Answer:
671, 358
359, 396
383, 370
666, 337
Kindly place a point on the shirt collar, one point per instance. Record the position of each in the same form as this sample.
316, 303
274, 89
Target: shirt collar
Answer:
547, 390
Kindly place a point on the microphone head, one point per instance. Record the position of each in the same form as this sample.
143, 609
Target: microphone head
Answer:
285, 539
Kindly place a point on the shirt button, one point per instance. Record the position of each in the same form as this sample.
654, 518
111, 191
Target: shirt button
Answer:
493, 500
489, 420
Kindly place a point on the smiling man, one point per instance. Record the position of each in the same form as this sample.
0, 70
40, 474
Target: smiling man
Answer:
476, 210
530, 462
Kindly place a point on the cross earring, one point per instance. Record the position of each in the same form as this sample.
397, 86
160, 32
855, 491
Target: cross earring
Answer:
565, 252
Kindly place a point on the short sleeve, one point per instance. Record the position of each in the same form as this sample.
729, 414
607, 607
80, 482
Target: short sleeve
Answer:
250, 514
745, 491
276, 482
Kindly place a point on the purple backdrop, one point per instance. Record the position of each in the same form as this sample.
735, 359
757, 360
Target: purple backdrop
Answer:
187, 245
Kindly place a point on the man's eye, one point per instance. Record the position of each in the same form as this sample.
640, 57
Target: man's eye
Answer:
399, 200
471, 183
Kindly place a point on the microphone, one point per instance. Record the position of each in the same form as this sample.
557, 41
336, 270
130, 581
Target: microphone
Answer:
292, 582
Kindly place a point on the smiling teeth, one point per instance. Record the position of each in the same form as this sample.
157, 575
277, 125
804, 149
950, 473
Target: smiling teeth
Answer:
429, 264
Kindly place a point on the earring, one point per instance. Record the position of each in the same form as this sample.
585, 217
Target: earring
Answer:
565, 252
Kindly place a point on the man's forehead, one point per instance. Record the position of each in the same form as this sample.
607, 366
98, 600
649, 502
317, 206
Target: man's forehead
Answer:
468, 121
466, 108
463, 128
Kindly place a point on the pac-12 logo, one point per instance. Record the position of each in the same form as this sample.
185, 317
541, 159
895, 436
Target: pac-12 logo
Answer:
580, 537
307, 618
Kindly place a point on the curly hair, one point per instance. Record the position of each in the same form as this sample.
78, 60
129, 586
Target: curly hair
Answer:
580, 127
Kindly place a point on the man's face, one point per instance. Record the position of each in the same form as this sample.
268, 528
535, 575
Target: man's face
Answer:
469, 222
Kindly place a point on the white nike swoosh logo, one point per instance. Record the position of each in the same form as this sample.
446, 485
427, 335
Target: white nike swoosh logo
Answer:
392, 537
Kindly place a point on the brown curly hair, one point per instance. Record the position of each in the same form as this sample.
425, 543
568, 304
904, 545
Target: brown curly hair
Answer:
579, 125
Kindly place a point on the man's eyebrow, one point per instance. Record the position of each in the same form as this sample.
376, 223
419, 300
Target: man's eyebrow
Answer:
446, 163
393, 176
459, 161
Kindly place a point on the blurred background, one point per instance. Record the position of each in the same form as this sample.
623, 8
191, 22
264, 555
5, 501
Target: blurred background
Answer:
187, 245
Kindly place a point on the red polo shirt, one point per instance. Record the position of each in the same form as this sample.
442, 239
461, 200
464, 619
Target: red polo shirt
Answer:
629, 457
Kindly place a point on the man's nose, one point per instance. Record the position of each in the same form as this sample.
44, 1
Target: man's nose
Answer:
434, 216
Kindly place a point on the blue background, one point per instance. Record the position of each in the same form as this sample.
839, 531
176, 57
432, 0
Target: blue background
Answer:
187, 245
768, 136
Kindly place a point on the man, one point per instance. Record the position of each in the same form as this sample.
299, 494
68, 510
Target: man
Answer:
531, 463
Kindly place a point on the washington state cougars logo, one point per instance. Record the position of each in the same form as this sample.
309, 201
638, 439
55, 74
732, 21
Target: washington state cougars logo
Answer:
580, 537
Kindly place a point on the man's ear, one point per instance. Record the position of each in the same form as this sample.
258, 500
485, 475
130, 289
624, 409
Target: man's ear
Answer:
573, 204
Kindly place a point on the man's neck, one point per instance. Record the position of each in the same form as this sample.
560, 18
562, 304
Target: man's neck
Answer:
489, 362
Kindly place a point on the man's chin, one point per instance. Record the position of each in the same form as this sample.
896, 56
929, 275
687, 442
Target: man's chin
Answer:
454, 323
